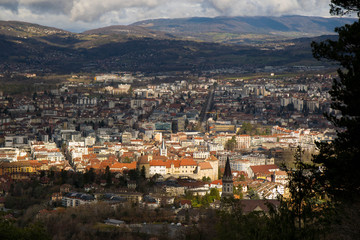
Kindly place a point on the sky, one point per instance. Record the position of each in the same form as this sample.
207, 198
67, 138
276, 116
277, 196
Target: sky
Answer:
81, 15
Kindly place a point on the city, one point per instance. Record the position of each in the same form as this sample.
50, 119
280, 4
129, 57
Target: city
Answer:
162, 120
122, 139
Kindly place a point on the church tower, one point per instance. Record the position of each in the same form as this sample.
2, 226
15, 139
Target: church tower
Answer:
163, 150
227, 181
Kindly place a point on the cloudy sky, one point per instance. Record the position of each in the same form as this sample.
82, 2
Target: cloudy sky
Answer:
80, 15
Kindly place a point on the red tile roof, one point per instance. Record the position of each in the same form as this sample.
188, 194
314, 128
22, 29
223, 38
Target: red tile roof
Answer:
187, 162
217, 182
264, 168
157, 163
205, 165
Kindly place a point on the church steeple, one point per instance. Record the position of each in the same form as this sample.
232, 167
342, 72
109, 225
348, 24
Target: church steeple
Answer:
163, 150
227, 181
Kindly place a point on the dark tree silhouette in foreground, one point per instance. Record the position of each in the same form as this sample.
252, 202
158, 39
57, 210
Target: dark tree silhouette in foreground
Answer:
341, 158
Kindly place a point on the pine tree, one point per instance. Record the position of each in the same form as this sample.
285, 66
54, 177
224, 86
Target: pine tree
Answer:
340, 158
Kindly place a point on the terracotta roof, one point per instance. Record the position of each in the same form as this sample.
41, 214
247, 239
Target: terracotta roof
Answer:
205, 165
157, 163
160, 158
176, 163
217, 182
106, 163
120, 166
94, 166
34, 163
263, 168
144, 159
281, 173
185, 201
187, 162
212, 158
257, 205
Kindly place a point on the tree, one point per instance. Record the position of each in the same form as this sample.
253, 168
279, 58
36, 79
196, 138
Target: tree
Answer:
9, 231
298, 217
89, 176
253, 194
108, 176
64, 176
305, 192
341, 7
341, 158
238, 191
206, 179
231, 144
246, 128
143, 172
214, 192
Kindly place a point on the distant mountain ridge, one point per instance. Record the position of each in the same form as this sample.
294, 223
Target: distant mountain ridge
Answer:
129, 31
35, 48
24, 29
245, 25
235, 29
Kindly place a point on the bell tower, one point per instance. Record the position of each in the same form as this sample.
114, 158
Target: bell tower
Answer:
227, 181
163, 149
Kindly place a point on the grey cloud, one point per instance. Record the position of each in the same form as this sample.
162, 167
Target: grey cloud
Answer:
11, 5
54, 7
88, 11
267, 7
39, 6
123, 11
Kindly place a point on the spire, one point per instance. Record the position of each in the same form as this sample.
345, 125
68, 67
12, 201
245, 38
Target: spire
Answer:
227, 172
163, 144
163, 150
227, 181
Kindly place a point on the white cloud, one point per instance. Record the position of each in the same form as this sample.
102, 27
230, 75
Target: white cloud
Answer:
269, 7
85, 14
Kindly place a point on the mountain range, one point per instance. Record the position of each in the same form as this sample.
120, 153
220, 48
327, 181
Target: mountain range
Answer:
246, 29
191, 44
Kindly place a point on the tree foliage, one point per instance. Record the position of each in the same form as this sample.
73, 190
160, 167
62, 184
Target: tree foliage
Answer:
9, 231
231, 144
341, 7
341, 159
301, 216
306, 196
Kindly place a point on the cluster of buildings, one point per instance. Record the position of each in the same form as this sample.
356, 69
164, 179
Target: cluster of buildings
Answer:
292, 102
176, 130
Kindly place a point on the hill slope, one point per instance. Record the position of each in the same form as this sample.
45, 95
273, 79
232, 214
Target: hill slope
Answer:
31, 47
246, 29
129, 31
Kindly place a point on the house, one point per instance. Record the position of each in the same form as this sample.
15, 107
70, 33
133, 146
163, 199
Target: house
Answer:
185, 203
188, 215
281, 177
75, 199
114, 222
133, 197
157, 167
150, 202
249, 206
205, 169
242, 141
265, 172
216, 204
